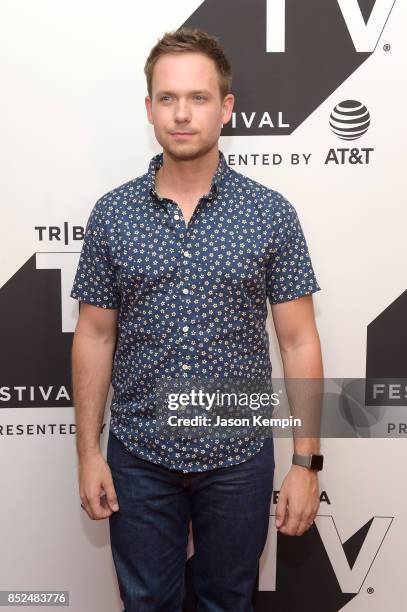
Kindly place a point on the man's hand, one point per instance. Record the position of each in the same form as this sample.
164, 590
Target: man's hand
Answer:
96, 487
298, 501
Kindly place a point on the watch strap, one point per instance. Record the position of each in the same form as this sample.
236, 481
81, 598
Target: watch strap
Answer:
312, 461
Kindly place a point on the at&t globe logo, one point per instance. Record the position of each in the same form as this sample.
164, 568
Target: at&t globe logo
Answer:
349, 120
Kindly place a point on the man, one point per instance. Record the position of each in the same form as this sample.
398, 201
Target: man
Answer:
173, 278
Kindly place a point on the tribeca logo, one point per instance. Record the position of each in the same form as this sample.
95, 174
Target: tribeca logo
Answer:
364, 35
65, 233
289, 57
350, 561
39, 319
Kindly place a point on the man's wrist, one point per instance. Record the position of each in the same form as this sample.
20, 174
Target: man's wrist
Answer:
307, 446
88, 450
304, 470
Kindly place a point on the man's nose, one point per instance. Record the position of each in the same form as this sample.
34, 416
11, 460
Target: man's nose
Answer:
182, 111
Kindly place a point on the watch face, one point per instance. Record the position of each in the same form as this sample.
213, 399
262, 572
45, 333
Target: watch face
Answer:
317, 462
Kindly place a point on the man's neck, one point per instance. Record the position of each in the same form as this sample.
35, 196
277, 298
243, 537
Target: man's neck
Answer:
186, 177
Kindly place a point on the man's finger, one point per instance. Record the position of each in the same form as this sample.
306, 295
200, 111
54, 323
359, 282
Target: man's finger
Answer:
97, 510
111, 496
281, 511
304, 525
292, 522
85, 505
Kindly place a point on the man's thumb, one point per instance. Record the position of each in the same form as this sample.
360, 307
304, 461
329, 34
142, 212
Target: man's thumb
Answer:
111, 497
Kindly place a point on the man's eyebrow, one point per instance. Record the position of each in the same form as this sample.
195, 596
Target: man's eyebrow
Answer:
171, 93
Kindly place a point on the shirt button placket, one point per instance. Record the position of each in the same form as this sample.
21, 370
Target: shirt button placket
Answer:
179, 235
186, 255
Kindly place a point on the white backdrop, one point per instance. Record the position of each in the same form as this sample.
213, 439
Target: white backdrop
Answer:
73, 126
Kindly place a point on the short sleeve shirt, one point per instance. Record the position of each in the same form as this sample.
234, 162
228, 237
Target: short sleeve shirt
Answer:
192, 298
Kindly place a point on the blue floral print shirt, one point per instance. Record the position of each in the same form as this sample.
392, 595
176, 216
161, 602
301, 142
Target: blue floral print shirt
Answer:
191, 297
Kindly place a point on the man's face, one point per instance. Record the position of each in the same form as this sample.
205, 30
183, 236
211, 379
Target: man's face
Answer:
186, 108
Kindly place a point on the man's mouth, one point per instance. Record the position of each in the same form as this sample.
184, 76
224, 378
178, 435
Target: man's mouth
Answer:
182, 133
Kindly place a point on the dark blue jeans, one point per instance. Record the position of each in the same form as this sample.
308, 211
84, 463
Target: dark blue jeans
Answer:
229, 508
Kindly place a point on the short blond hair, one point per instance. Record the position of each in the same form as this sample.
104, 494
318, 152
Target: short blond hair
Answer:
186, 40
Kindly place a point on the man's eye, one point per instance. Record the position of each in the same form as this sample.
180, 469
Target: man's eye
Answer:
200, 98
165, 98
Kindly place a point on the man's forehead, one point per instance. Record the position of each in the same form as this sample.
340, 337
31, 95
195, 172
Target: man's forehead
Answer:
173, 75
182, 92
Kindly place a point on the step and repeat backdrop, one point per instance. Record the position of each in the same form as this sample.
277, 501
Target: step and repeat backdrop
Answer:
319, 116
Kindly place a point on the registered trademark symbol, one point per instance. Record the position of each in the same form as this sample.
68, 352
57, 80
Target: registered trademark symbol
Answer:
370, 590
386, 47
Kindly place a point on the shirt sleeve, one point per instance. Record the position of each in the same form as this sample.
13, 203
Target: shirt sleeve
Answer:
289, 274
95, 278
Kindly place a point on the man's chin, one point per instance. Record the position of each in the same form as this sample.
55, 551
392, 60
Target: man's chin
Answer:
185, 151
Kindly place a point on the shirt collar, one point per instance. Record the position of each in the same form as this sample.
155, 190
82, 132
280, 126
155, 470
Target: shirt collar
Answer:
217, 179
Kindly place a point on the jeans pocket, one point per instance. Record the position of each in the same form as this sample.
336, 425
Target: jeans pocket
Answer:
115, 449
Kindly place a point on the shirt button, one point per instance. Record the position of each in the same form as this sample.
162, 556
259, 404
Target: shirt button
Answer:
177, 217
185, 290
185, 328
185, 366
187, 254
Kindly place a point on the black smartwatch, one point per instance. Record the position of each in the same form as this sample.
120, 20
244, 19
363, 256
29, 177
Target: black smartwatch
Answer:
312, 462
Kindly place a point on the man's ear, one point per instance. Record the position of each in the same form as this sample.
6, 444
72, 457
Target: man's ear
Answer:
227, 110
148, 104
